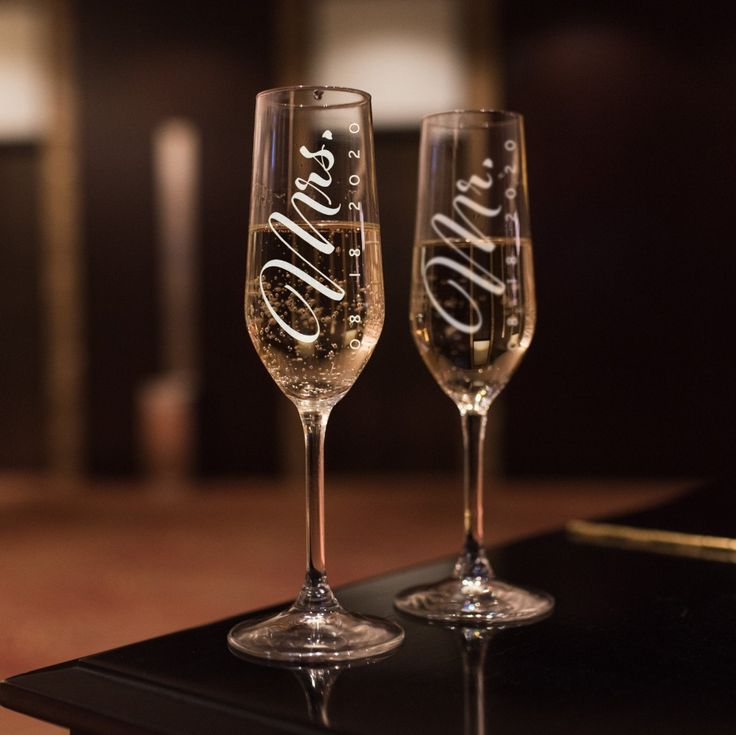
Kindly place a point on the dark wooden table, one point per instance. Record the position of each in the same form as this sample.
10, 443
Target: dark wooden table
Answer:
641, 641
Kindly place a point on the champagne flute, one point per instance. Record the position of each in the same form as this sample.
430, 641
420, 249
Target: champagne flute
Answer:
472, 316
314, 309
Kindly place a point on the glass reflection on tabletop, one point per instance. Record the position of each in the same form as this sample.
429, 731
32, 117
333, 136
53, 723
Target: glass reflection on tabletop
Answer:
317, 681
474, 643
474, 646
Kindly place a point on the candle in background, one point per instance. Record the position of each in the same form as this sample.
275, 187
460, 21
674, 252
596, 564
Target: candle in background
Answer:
167, 402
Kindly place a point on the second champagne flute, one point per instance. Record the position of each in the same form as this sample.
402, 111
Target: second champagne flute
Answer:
314, 309
473, 313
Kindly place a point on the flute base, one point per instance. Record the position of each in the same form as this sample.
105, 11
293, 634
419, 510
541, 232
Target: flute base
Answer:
315, 633
475, 602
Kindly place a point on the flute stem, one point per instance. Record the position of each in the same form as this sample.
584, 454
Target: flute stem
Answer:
473, 562
316, 591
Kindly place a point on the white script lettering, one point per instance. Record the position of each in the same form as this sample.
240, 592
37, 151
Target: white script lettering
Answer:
468, 232
307, 233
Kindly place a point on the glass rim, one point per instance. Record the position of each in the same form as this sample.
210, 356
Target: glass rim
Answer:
461, 119
270, 96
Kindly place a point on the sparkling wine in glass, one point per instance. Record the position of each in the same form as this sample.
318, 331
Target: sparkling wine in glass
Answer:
314, 309
472, 316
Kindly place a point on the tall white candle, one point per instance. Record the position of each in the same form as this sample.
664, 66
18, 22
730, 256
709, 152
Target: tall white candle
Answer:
176, 152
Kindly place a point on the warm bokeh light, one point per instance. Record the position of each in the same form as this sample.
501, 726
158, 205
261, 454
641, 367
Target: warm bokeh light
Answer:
408, 54
23, 80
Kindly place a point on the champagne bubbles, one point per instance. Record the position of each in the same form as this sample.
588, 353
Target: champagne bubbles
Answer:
298, 297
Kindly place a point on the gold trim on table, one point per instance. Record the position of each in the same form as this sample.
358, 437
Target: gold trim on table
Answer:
673, 543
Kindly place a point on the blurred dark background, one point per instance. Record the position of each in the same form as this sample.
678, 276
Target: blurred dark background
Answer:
631, 122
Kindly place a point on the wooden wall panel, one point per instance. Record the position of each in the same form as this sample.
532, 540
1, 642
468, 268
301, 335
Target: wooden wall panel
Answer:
22, 413
141, 62
630, 116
